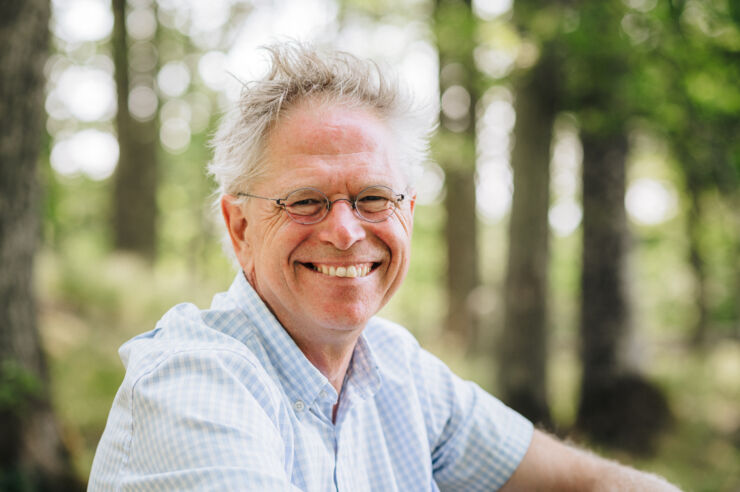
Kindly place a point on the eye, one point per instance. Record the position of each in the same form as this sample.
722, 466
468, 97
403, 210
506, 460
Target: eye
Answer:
372, 198
375, 203
305, 202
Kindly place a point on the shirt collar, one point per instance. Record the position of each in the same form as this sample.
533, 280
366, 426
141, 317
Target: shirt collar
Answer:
364, 375
300, 379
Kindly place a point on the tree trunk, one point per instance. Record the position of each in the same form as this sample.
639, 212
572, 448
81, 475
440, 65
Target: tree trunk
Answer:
462, 261
605, 308
696, 260
617, 407
523, 345
32, 455
134, 197
456, 28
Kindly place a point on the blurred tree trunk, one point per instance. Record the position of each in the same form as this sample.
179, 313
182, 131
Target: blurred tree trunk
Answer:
696, 260
523, 345
135, 181
605, 313
32, 455
456, 28
617, 407
736, 264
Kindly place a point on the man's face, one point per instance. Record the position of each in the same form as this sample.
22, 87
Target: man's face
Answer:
339, 151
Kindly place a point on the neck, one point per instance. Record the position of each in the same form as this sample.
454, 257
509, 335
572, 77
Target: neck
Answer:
331, 360
328, 350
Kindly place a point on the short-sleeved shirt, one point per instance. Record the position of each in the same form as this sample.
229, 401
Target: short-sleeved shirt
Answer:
223, 399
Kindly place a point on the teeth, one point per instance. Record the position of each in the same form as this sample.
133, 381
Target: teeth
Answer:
352, 271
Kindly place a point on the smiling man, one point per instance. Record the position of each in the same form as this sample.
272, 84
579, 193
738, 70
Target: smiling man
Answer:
334, 250
288, 381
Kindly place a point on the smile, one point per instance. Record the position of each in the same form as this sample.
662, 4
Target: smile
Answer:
350, 271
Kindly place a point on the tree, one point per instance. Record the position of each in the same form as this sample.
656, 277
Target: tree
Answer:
523, 346
32, 454
618, 406
455, 26
134, 198
704, 139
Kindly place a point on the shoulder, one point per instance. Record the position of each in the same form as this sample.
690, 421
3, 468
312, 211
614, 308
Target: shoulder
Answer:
203, 351
404, 364
394, 348
190, 381
186, 329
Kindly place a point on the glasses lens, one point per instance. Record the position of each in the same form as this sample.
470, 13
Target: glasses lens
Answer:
376, 203
306, 205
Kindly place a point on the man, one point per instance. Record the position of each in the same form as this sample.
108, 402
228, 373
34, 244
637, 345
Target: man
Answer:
288, 382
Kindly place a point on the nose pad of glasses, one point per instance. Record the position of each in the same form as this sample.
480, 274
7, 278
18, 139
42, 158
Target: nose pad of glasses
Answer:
331, 203
350, 203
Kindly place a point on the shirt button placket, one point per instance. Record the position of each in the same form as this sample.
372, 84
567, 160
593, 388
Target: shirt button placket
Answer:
344, 463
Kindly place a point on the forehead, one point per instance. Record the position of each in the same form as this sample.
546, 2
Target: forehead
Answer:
313, 127
313, 138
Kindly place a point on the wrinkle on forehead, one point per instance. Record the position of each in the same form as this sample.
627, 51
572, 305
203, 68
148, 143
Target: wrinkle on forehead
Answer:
315, 128
349, 173
329, 146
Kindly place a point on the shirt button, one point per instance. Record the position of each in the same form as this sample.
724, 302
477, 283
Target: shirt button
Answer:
299, 406
323, 394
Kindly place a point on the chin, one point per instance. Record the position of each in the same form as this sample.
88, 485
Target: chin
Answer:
345, 321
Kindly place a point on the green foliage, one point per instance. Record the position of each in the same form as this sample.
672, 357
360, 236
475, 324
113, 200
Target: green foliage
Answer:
456, 150
18, 386
455, 28
16, 480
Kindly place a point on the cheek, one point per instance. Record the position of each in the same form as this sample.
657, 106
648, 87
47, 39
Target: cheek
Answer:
274, 247
396, 238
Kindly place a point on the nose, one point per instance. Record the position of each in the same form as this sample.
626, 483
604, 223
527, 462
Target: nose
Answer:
341, 227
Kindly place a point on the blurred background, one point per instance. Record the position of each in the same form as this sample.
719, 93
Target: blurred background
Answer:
577, 239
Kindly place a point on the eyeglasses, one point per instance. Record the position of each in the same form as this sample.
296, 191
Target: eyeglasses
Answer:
310, 206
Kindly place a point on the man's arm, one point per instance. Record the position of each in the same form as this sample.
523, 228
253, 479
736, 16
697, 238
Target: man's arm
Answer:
551, 465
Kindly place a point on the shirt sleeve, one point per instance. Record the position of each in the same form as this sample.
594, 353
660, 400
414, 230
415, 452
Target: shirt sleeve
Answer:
192, 424
477, 441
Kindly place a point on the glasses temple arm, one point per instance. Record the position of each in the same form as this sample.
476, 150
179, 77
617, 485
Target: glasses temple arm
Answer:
279, 201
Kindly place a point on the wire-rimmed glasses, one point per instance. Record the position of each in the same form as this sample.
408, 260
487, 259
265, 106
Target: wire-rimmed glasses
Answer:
310, 205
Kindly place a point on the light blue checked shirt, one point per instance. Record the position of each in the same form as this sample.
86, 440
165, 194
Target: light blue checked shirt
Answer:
223, 399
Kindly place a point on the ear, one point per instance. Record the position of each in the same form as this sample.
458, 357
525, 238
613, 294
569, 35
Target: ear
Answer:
236, 223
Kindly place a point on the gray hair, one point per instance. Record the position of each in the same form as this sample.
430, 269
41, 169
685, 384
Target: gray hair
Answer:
299, 72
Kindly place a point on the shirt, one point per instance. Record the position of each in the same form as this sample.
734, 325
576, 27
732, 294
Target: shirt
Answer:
223, 399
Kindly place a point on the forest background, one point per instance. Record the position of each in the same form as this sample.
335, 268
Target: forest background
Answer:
577, 240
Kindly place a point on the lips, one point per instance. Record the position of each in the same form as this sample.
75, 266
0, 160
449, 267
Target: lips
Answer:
353, 270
